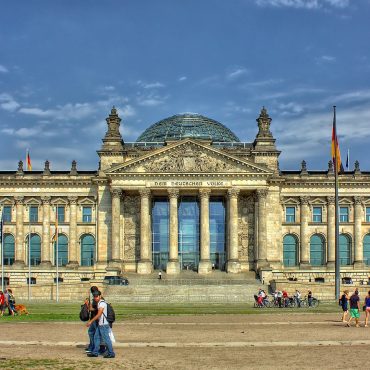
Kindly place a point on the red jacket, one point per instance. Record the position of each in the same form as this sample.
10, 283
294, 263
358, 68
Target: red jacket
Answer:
2, 299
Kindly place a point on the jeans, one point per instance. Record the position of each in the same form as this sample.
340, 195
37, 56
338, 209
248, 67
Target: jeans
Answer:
102, 333
91, 332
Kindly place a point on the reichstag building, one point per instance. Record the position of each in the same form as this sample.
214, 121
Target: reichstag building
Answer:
187, 195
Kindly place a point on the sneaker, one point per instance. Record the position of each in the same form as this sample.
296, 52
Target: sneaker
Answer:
92, 355
88, 350
109, 356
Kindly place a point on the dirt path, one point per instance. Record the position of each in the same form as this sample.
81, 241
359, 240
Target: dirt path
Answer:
278, 341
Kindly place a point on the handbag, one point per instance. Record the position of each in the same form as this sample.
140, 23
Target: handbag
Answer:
111, 336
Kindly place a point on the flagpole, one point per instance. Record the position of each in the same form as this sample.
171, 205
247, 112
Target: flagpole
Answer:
57, 253
337, 256
2, 251
29, 256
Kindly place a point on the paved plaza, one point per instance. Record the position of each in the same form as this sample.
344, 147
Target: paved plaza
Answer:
275, 341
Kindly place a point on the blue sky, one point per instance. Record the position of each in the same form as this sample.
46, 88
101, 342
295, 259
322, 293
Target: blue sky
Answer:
63, 64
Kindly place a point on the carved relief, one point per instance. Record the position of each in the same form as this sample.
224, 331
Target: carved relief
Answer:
193, 159
132, 230
246, 228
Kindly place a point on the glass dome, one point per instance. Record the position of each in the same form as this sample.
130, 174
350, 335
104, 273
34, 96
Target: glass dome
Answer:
187, 125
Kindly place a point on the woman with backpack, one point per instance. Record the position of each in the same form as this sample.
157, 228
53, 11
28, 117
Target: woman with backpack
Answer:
343, 302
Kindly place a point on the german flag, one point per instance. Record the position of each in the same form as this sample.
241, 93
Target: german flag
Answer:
28, 160
335, 151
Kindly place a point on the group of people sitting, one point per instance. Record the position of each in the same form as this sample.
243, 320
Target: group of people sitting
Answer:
7, 301
281, 298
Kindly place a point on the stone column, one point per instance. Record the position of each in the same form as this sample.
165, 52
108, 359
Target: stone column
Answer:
173, 266
73, 259
331, 232
205, 266
45, 249
359, 255
19, 242
115, 262
145, 264
262, 228
233, 264
305, 216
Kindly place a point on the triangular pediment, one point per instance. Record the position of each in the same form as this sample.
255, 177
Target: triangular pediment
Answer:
189, 156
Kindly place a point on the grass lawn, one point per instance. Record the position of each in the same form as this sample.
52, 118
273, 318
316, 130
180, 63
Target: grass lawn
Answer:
51, 311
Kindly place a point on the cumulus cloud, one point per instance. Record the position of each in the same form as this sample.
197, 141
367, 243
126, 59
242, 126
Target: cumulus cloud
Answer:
306, 4
151, 100
8, 103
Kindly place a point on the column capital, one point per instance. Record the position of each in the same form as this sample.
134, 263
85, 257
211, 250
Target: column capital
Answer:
116, 193
173, 192
358, 200
261, 194
204, 193
304, 199
331, 200
45, 199
233, 192
145, 193
19, 200
72, 199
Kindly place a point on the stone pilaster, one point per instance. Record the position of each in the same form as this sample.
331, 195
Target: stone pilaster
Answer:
205, 266
45, 248
145, 266
331, 232
262, 228
19, 246
233, 264
359, 255
305, 216
115, 262
73, 259
173, 266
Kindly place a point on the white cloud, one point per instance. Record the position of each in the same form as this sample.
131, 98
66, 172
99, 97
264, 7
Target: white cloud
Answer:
8, 103
3, 69
236, 73
152, 85
127, 111
306, 4
182, 78
326, 59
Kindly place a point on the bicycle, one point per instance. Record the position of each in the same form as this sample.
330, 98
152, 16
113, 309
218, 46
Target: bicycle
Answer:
314, 302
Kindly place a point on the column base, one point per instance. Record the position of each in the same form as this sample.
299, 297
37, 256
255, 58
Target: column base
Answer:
18, 264
114, 266
72, 265
304, 266
359, 265
262, 263
173, 268
233, 267
330, 265
45, 264
205, 267
144, 267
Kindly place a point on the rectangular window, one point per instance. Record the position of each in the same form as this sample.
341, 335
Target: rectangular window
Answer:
343, 214
367, 214
34, 214
7, 214
290, 214
86, 214
317, 214
61, 213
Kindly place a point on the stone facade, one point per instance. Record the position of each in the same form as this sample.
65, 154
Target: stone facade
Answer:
110, 211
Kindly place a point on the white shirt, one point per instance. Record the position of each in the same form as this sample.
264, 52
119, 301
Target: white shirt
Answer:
102, 318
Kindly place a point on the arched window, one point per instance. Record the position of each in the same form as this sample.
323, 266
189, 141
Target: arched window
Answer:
290, 250
62, 250
367, 249
9, 249
35, 252
317, 250
87, 250
345, 249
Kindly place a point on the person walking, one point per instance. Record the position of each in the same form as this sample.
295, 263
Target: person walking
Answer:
103, 329
354, 309
2, 303
11, 303
343, 302
367, 308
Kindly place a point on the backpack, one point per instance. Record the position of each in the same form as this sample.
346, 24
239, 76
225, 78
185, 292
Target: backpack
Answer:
111, 315
84, 313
